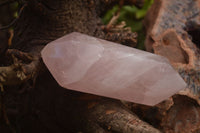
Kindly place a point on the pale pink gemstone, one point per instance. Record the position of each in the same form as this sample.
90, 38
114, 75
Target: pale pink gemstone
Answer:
87, 64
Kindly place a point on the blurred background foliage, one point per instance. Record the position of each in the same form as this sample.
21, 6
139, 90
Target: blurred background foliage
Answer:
133, 16
8, 11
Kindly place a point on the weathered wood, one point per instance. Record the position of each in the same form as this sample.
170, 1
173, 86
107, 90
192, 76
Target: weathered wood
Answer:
171, 27
114, 117
182, 117
172, 30
43, 106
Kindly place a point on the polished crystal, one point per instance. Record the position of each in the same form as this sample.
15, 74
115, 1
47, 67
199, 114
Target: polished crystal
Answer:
87, 64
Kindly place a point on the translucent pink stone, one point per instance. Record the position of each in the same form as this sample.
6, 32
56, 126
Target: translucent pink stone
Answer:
87, 64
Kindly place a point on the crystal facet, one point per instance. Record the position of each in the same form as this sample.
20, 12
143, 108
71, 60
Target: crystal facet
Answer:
88, 64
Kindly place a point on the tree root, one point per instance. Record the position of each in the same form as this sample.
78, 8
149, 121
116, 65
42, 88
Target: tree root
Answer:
113, 116
25, 67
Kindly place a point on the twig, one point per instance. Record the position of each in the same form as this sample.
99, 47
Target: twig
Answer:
113, 20
20, 55
116, 16
15, 20
11, 32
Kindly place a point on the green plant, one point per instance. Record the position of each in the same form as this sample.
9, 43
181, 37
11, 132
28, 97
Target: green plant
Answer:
133, 17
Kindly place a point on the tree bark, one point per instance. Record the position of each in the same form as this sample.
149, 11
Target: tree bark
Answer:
47, 20
39, 104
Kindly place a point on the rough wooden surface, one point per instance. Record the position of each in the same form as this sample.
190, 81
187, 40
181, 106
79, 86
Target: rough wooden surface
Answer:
37, 103
183, 116
172, 30
40, 105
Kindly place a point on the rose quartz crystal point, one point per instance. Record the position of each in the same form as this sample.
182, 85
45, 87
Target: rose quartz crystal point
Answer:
83, 63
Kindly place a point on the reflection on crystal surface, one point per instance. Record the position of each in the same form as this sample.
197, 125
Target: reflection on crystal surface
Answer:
87, 64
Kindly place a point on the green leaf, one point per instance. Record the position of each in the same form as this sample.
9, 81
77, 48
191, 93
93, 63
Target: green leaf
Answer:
133, 17
142, 12
129, 9
106, 18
